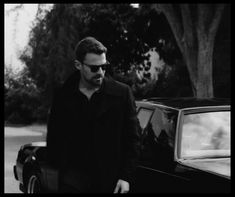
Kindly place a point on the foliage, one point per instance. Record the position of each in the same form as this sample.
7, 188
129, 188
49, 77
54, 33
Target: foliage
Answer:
22, 98
173, 82
128, 33
55, 36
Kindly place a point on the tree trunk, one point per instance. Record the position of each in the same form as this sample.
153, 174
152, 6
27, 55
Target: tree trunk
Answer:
204, 87
196, 41
199, 64
190, 57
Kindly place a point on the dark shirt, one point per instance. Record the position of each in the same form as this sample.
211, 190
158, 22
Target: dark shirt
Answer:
87, 108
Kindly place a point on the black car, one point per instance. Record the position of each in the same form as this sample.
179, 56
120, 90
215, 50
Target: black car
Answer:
185, 147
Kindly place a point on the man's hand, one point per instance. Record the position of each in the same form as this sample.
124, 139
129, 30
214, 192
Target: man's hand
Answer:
122, 187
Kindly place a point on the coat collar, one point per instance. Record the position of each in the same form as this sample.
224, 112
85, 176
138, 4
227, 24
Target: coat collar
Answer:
107, 87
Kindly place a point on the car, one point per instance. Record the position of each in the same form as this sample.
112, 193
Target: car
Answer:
33, 172
185, 148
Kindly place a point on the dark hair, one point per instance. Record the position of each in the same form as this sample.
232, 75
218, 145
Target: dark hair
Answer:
88, 45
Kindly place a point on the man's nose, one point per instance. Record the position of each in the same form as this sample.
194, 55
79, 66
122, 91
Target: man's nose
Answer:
100, 71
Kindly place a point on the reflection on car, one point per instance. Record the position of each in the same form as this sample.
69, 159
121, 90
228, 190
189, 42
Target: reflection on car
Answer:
185, 148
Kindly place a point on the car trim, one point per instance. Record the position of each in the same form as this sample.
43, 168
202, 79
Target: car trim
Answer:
148, 168
15, 173
177, 137
205, 107
156, 104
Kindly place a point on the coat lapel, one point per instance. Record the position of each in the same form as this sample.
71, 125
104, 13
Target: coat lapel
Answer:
109, 92
109, 96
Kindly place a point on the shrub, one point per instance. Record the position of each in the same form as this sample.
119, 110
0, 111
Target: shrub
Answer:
22, 99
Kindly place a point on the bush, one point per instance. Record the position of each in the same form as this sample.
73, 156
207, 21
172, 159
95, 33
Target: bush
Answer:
22, 100
20, 105
40, 114
15, 118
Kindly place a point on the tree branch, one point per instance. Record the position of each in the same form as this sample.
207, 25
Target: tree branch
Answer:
216, 19
187, 25
202, 17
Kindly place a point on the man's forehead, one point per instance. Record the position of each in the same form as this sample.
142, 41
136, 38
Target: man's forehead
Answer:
91, 57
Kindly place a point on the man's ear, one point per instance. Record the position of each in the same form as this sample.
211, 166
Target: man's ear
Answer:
77, 64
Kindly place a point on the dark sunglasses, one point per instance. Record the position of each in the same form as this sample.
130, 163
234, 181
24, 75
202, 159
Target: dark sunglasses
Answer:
95, 68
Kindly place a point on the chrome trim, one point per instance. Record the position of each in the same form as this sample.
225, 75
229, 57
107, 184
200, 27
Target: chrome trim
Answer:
156, 104
177, 133
147, 168
206, 107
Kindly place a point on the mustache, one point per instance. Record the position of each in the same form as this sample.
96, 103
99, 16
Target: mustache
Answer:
98, 76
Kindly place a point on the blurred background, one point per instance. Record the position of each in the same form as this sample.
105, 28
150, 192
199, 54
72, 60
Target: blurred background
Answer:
144, 51
40, 39
159, 50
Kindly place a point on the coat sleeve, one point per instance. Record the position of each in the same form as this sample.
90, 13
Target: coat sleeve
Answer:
54, 132
131, 139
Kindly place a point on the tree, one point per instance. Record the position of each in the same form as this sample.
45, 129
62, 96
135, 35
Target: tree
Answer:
194, 27
128, 34
22, 98
49, 55
222, 57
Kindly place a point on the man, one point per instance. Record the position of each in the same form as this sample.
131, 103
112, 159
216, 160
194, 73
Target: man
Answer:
92, 128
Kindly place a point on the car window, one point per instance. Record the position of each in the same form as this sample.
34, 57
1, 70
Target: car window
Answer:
144, 116
157, 150
164, 123
206, 135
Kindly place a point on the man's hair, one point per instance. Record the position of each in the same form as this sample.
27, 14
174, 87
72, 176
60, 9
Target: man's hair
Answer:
88, 45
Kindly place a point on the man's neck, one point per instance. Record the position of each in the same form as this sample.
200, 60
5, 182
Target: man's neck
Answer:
87, 89
84, 85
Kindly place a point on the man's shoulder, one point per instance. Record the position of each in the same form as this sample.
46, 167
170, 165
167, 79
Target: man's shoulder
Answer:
119, 84
115, 87
57, 93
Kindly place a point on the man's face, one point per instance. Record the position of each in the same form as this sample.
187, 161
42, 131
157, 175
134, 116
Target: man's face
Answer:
91, 71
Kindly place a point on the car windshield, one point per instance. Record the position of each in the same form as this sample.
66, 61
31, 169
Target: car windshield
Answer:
206, 135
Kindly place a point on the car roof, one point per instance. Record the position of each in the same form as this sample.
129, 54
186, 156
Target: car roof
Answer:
187, 102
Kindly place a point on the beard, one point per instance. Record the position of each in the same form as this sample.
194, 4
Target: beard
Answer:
95, 81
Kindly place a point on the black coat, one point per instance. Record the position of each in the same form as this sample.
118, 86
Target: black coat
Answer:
114, 136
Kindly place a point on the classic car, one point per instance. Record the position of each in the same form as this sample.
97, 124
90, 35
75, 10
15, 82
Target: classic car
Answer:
185, 148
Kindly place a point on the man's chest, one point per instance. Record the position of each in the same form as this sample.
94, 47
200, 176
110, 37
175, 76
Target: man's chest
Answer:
97, 106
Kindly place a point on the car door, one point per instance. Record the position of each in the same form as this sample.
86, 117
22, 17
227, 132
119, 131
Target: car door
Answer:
156, 170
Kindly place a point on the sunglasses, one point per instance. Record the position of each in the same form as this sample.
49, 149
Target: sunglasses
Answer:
95, 68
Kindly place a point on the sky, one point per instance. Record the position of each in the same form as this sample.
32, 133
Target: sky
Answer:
16, 32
